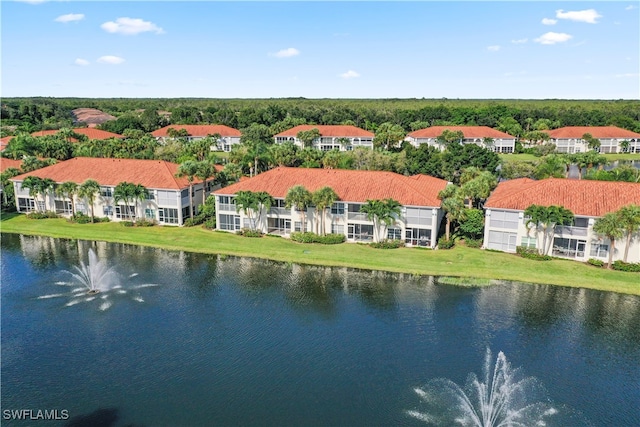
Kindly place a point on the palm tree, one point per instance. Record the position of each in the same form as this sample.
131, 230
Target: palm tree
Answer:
34, 185
624, 145
257, 153
139, 192
381, 212
124, 191
88, 190
300, 198
629, 220
323, 199
610, 227
189, 170
453, 205
479, 187
546, 218
264, 201
248, 202
7, 186
68, 190
205, 171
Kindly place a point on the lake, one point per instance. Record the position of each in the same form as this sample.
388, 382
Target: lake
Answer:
188, 339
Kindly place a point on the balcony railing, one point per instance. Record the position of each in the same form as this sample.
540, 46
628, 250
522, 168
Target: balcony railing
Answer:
571, 231
279, 211
227, 207
357, 216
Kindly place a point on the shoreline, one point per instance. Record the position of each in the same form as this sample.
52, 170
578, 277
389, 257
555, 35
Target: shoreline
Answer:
457, 262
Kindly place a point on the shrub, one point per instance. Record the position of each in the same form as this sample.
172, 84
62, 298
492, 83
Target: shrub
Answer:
388, 244
127, 223
626, 266
473, 243
145, 223
42, 215
196, 220
210, 223
309, 237
531, 253
595, 262
443, 243
247, 232
80, 218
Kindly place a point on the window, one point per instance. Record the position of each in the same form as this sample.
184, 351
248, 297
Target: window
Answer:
337, 209
502, 241
41, 205
246, 223
26, 205
106, 191
418, 216
63, 206
229, 222
278, 226
167, 198
184, 193
298, 227
168, 215
337, 229
569, 248
599, 250
360, 232
417, 237
107, 210
226, 203
528, 242
394, 233
150, 213
125, 212
504, 219
81, 207
150, 195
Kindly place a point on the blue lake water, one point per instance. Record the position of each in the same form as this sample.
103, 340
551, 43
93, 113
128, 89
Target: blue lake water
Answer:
234, 341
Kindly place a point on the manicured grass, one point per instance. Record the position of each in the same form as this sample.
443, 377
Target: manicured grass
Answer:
460, 261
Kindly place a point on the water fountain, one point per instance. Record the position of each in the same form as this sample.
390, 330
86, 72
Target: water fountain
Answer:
96, 278
501, 399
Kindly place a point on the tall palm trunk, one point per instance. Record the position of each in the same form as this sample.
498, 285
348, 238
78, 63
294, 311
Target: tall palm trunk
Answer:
626, 248
448, 228
611, 249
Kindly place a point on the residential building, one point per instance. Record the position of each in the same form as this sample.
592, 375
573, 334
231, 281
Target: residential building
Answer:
228, 135
569, 139
483, 136
6, 163
91, 133
167, 201
418, 223
506, 225
332, 137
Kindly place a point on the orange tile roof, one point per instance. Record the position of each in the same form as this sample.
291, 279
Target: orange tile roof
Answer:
330, 131
157, 174
582, 197
91, 133
4, 142
199, 130
468, 132
9, 163
350, 185
595, 131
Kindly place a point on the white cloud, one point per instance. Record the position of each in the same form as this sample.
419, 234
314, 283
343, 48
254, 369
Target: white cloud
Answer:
286, 53
553, 38
493, 48
589, 15
32, 1
619, 76
81, 62
519, 41
131, 26
630, 7
350, 75
549, 21
109, 59
70, 17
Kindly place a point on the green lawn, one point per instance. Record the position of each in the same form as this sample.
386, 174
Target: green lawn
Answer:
461, 261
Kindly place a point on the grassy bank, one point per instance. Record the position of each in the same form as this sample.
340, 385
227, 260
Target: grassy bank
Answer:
461, 261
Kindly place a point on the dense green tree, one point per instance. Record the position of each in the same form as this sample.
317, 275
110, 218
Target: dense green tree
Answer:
205, 170
8, 194
285, 154
472, 227
453, 205
125, 192
448, 137
388, 135
248, 202
308, 136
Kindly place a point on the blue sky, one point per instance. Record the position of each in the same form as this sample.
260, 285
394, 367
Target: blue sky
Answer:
525, 50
